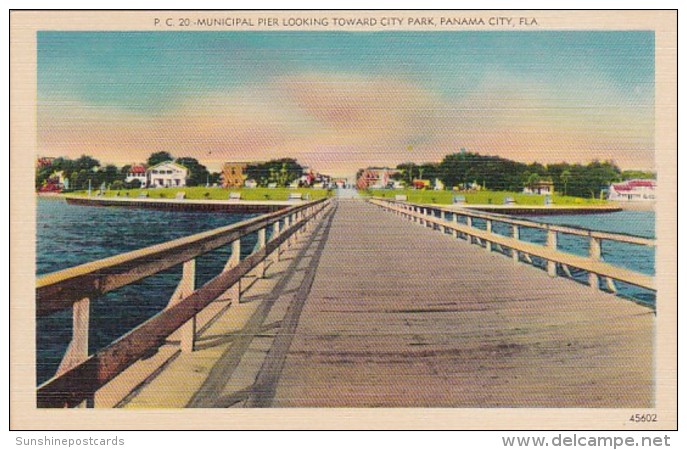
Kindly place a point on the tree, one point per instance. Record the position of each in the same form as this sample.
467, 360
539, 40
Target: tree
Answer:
198, 174
533, 180
133, 184
215, 178
408, 171
159, 157
428, 171
109, 174
79, 180
565, 177
642, 174
85, 163
280, 171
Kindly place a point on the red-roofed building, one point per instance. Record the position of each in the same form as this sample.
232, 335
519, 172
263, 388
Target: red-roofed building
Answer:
633, 191
137, 172
375, 178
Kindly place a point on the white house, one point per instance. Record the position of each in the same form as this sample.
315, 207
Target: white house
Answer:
633, 191
167, 174
543, 187
137, 172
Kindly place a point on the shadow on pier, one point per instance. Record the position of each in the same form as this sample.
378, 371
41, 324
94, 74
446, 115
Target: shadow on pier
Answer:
373, 311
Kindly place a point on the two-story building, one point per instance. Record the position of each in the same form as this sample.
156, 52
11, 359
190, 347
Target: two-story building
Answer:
233, 174
375, 178
137, 173
166, 174
633, 191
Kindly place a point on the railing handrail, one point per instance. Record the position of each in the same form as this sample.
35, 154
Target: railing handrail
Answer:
59, 290
81, 380
551, 254
565, 229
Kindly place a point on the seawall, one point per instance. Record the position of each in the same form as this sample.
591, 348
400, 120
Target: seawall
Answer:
236, 206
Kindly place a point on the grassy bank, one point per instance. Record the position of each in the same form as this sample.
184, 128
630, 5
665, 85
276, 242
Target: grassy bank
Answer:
214, 193
480, 198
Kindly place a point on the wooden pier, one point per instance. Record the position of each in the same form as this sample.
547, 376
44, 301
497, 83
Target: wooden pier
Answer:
361, 304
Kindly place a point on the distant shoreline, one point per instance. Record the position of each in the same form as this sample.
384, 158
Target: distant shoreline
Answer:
237, 206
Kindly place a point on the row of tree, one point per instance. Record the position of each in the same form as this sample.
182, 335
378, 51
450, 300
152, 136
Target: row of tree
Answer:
282, 172
79, 172
464, 169
84, 170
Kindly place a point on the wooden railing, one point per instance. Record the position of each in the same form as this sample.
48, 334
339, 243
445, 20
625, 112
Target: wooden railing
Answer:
80, 375
592, 264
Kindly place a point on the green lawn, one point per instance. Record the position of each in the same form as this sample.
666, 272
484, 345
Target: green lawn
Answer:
214, 193
479, 198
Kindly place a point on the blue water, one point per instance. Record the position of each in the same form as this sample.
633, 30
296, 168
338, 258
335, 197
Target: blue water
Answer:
69, 235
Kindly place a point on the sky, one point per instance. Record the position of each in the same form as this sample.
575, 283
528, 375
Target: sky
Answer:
339, 101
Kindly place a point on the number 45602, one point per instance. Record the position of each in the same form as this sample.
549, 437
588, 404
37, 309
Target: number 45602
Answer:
644, 418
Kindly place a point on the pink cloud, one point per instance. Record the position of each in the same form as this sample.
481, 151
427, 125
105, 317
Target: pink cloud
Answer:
337, 123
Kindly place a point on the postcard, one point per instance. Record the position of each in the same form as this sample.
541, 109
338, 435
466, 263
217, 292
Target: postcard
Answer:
343, 220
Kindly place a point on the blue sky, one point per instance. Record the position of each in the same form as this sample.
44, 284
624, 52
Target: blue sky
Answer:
598, 84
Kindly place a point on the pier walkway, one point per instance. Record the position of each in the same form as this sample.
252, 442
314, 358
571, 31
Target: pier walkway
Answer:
370, 310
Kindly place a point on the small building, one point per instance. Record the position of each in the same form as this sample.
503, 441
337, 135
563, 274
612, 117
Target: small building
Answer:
251, 184
137, 172
166, 174
421, 184
543, 187
44, 161
636, 190
234, 174
375, 178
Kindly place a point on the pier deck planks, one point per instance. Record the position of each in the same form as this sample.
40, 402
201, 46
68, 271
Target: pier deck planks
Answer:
398, 315
401, 315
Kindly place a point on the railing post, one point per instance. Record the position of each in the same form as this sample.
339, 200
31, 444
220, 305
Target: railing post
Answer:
552, 243
594, 255
291, 220
276, 231
443, 217
287, 224
301, 218
260, 245
234, 259
455, 220
187, 332
468, 219
77, 352
516, 236
488, 242
304, 228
